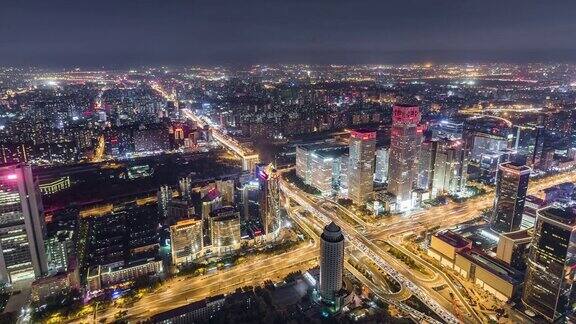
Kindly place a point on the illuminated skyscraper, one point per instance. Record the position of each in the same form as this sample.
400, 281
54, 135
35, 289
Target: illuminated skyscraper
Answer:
331, 262
405, 141
22, 229
186, 241
361, 165
511, 185
269, 198
225, 230
551, 262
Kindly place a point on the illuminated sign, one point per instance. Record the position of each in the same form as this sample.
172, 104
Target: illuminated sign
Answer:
363, 135
405, 115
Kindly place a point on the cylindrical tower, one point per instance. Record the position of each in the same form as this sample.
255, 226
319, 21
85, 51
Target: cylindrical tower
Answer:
331, 261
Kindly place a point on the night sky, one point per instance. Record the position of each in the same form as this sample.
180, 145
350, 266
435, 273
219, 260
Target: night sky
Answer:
116, 33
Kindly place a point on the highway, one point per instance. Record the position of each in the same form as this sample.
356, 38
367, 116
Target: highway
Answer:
360, 242
362, 234
181, 291
248, 156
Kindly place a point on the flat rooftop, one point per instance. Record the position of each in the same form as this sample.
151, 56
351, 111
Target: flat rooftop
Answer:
493, 265
564, 215
516, 167
518, 235
455, 240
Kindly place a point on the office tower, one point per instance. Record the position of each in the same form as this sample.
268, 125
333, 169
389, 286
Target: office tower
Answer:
303, 169
210, 201
443, 168
269, 198
186, 241
381, 171
226, 188
326, 168
22, 229
343, 180
224, 230
250, 199
511, 186
331, 262
528, 142
361, 165
405, 141
551, 262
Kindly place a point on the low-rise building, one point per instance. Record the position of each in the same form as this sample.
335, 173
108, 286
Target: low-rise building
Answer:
445, 245
100, 277
489, 273
200, 311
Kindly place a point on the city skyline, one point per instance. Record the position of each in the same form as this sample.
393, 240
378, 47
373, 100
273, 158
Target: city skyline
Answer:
288, 161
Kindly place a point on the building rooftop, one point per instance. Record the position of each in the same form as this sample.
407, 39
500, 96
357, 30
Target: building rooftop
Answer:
453, 239
535, 200
225, 213
493, 265
515, 167
564, 215
518, 235
185, 309
332, 233
332, 152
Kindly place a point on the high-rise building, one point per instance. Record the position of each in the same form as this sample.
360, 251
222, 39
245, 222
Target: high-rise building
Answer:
405, 141
331, 262
511, 186
443, 168
185, 186
186, 241
528, 142
548, 286
225, 230
381, 171
303, 169
361, 165
269, 198
22, 228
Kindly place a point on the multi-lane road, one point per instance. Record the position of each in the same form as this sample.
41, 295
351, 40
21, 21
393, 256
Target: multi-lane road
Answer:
362, 234
184, 290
